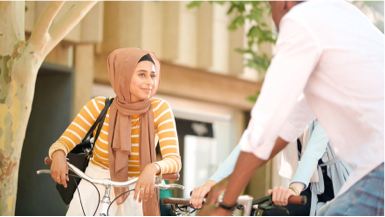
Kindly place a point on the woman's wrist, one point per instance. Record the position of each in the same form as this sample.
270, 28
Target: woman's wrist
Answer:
58, 152
210, 183
296, 188
154, 168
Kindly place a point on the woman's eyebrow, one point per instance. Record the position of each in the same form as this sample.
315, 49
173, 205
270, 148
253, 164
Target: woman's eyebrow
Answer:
142, 70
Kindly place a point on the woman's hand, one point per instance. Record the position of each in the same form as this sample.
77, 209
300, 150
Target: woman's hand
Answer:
146, 183
200, 192
59, 168
281, 195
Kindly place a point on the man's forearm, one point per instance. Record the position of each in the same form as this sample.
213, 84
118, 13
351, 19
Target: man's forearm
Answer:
244, 169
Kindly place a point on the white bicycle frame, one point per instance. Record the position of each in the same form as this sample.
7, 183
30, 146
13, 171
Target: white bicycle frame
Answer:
107, 184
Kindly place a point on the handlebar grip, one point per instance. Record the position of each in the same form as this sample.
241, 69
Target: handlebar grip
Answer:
298, 200
47, 161
171, 200
171, 176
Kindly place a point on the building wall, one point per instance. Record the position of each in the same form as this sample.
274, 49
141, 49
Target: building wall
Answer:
200, 69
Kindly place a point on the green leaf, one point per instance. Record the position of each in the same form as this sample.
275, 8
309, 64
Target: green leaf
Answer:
253, 98
220, 2
238, 21
194, 4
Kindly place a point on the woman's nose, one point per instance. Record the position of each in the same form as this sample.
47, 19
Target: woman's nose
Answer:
149, 81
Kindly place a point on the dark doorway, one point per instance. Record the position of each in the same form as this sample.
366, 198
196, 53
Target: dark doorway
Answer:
50, 116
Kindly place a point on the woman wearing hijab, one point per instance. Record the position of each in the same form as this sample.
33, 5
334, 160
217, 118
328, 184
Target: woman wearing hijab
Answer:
125, 149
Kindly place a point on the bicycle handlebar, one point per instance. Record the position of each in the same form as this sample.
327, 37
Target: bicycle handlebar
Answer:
107, 182
173, 200
168, 176
186, 201
302, 200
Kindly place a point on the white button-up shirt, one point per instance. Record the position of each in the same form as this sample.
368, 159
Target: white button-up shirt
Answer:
329, 62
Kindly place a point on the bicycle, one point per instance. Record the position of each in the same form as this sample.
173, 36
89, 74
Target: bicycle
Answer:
105, 203
182, 206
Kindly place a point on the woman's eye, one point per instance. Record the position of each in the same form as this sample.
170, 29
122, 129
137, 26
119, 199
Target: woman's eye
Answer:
141, 74
154, 76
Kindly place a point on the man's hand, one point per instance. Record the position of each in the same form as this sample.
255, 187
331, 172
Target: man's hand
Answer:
200, 192
245, 167
212, 210
216, 190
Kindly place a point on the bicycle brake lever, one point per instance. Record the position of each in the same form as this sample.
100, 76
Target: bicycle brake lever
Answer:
163, 185
270, 206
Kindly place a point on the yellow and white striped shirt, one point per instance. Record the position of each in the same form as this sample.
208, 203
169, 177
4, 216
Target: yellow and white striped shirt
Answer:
165, 133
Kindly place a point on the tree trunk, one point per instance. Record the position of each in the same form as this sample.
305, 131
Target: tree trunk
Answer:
19, 64
18, 69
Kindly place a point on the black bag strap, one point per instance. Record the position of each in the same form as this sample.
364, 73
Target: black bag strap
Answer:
107, 105
100, 119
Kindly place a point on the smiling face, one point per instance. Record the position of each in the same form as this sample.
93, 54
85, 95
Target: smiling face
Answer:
144, 82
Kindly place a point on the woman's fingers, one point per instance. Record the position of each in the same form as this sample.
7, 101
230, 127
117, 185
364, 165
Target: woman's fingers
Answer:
193, 196
146, 193
201, 196
141, 194
137, 189
59, 168
199, 199
275, 196
286, 197
152, 190
64, 176
280, 195
63, 179
196, 202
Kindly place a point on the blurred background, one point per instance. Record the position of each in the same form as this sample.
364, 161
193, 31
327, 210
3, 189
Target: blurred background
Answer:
213, 60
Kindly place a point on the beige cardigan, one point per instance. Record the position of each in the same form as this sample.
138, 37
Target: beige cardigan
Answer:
288, 159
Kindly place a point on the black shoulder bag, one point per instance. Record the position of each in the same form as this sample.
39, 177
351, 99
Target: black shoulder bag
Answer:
81, 154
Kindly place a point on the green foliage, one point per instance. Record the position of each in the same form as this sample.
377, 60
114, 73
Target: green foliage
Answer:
254, 97
261, 33
258, 33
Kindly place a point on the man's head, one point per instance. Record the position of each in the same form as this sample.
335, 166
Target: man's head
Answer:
280, 8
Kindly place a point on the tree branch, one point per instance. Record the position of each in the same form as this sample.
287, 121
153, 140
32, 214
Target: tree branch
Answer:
67, 22
40, 35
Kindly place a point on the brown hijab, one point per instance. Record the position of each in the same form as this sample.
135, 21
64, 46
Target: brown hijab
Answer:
121, 67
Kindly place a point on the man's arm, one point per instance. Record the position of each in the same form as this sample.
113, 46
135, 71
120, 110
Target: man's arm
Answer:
222, 172
298, 53
244, 169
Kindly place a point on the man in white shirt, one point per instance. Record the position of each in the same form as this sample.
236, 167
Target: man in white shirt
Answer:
329, 63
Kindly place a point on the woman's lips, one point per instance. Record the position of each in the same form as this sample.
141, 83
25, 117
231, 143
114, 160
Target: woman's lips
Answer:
146, 90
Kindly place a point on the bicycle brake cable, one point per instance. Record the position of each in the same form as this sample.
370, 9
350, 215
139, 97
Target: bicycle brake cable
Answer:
80, 199
117, 198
